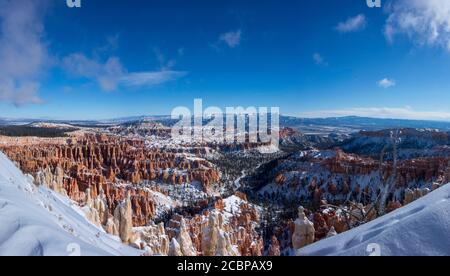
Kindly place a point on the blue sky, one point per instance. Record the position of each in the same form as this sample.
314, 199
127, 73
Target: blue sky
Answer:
310, 58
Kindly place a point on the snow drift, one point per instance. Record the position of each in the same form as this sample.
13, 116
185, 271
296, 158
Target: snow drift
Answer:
421, 228
37, 221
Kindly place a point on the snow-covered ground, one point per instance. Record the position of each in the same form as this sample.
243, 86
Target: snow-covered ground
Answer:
37, 221
163, 203
420, 228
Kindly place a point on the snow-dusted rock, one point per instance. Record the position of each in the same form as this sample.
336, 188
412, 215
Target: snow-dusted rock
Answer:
274, 248
185, 241
123, 215
304, 231
175, 249
210, 236
53, 181
37, 221
155, 239
420, 228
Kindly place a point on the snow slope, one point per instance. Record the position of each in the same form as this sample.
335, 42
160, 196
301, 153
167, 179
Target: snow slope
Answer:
421, 228
37, 221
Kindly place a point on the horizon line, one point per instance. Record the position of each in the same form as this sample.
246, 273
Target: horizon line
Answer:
133, 117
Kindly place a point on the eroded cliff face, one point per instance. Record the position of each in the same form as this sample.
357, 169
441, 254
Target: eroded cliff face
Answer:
341, 190
97, 162
338, 177
106, 159
109, 176
104, 173
304, 232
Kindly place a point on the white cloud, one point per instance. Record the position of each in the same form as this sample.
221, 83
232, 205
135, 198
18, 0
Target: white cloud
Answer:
23, 53
151, 78
232, 39
319, 59
111, 74
352, 24
381, 112
386, 83
425, 22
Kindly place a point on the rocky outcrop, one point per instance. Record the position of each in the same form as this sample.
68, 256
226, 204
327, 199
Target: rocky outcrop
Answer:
96, 161
274, 248
123, 218
415, 194
96, 209
184, 240
111, 226
52, 180
224, 246
304, 233
154, 240
392, 206
107, 158
337, 177
175, 249
210, 236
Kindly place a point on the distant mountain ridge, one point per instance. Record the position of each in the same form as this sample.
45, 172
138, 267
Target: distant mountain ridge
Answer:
365, 123
349, 123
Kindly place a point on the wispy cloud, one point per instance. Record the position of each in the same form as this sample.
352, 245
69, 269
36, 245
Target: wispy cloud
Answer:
232, 39
386, 83
381, 112
111, 74
423, 22
319, 59
23, 52
352, 24
150, 78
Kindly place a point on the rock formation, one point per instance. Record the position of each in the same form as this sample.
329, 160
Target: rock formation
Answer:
210, 236
174, 248
111, 226
274, 248
123, 217
155, 240
185, 241
53, 181
413, 195
224, 247
304, 233
98, 161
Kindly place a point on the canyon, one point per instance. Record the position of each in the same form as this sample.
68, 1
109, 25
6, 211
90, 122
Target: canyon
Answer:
166, 197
